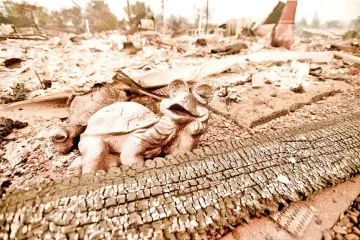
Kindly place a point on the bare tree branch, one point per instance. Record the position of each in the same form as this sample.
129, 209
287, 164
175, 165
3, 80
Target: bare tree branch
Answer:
92, 14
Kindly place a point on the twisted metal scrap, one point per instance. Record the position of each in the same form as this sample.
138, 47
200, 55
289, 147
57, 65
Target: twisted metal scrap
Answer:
192, 195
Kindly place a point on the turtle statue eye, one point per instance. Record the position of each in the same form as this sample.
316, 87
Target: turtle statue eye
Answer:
59, 138
203, 93
177, 86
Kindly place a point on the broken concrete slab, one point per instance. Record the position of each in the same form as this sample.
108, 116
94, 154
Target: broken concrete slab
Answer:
284, 56
261, 105
48, 106
346, 48
328, 33
337, 199
45, 105
347, 57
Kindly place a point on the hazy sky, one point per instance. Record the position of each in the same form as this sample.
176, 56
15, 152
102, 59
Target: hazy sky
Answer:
222, 10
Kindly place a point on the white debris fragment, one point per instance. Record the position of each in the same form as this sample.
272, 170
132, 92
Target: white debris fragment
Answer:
257, 80
292, 160
272, 76
283, 179
302, 71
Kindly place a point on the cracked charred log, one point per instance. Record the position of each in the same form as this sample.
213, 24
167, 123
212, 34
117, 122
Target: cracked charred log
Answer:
190, 195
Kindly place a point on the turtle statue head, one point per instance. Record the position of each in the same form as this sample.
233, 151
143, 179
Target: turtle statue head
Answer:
185, 105
63, 137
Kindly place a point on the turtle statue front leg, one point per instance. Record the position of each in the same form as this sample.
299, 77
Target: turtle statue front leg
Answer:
188, 138
95, 152
133, 150
191, 135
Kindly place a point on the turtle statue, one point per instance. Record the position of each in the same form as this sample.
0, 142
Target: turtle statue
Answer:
133, 132
80, 110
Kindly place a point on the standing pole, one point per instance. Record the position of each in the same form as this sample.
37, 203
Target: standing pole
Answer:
163, 13
207, 16
87, 26
128, 11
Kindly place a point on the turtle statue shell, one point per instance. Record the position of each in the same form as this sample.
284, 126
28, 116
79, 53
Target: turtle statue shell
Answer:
120, 117
84, 106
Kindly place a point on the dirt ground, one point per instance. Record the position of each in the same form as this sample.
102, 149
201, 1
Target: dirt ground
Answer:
239, 109
43, 163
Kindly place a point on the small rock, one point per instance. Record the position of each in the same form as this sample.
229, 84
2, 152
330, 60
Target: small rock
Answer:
318, 221
314, 66
267, 237
339, 230
354, 212
12, 62
47, 84
129, 48
230, 49
77, 39
200, 42
353, 71
327, 235
222, 92
356, 230
5, 182
351, 236
344, 221
338, 236
353, 218
298, 89
7, 173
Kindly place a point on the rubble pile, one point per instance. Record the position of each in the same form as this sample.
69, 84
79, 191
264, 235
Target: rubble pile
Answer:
257, 89
254, 85
348, 226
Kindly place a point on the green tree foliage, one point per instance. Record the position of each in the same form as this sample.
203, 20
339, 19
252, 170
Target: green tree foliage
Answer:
355, 24
315, 23
302, 23
333, 24
23, 14
100, 16
69, 15
176, 23
139, 11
